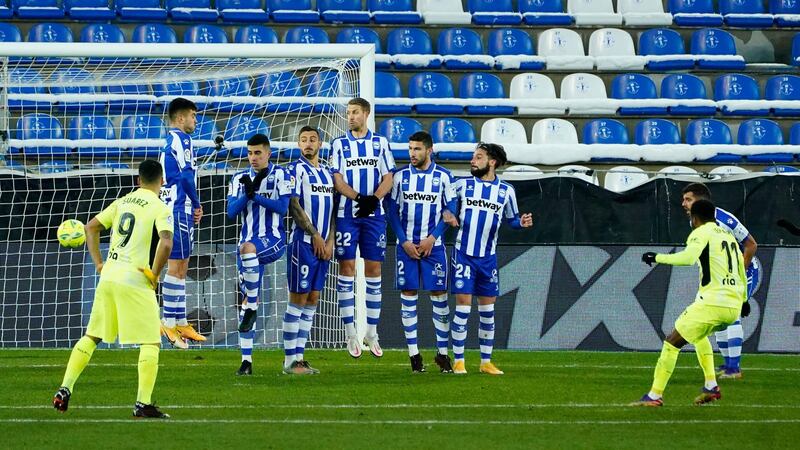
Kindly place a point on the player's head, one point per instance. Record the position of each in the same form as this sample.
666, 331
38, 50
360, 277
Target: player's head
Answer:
703, 211
309, 142
357, 113
151, 174
182, 114
487, 158
420, 148
693, 192
258, 151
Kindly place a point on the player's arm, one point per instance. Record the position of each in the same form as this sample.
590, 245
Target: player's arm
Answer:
750, 246
342, 187
93, 230
694, 247
331, 241
386, 167
279, 205
513, 217
237, 197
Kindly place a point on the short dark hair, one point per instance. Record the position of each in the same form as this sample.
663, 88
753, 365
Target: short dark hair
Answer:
360, 102
698, 189
422, 136
308, 128
704, 210
150, 171
258, 139
178, 105
495, 152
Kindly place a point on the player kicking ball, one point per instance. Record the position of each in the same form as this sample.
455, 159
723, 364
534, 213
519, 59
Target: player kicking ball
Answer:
719, 301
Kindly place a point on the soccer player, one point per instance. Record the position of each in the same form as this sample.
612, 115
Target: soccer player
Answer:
261, 196
719, 300
730, 340
362, 166
180, 194
125, 302
484, 201
312, 208
420, 192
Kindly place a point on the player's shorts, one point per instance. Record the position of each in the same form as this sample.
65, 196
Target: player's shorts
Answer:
699, 320
753, 277
305, 271
125, 311
368, 233
428, 273
183, 237
474, 275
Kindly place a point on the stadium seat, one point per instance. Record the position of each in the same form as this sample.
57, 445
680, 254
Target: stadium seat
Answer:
794, 134
785, 88
113, 165
94, 10
364, 35
452, 131
205, 34
397, 130
239, 129
513, 49
605, 131
102, 33
623, 178
443, 12
503, 131
154, 33
689, 90
429, 85
563, 49
593, 12
581, 172
255, 34
643, 12
342, 11
293, 11
521, 169
126, 105
656, 132
249, 11
324, 83
664, 50
26, 81
554, 131
141, 10
786, 12
388, 86
306, 35
54, 166
638, 90
143, 127
612, 49
94, 128
72, 81
49, 32
5, 12
483, 86
9, 33
39, 126
786, 170
727, 171
720, 45
166, 90
411, 48
585, 93
694, 13
191, 10
536, 86
493, 12
795, 50
544, 12
461, 49
281, 84
206, 130
393, 12
745, 13
37, 10
231, 88
672, 171
712, 132
763, 132
732, 89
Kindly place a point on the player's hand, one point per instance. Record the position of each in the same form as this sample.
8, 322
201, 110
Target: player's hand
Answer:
426, 246
367, 204
99, 267
411, 250
151, 277
198, 214
247, 186
450, 218
526, 220
319, 246
328, 251
745, 309
649, 258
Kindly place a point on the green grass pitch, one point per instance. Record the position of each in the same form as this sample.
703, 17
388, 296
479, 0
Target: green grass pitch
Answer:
545, 400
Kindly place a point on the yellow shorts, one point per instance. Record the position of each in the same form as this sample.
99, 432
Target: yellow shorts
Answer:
130, 312
698, 320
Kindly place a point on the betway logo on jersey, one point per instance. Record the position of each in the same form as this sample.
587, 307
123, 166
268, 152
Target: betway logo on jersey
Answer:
420, 197
321, 189
361, 162
484, 204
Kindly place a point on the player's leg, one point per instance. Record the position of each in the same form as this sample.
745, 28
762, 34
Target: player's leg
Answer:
78, 360
487, 288
177, 269
735, 336
251, 277
246, 344
722, 343
407, 281
462, 285
372, 244
433, 275
347, 234
306, 321
663, 371
301, 263
707, 319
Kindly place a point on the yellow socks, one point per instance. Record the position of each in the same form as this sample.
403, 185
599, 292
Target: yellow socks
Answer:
664, 368
148, 369
705, 356
78, 359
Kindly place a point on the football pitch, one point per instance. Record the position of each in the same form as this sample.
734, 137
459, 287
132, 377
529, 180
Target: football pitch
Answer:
545, 400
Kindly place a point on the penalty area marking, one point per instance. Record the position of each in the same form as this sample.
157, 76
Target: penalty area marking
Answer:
403, 406
413, 422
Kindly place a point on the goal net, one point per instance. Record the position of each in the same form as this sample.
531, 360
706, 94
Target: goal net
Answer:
75, 121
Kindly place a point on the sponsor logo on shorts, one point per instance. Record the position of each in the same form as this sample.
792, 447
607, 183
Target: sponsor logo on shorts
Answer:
340, 251
459, 284
401, 281
304, 284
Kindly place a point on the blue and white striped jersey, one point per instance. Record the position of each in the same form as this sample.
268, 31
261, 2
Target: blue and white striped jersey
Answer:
362, 163
257, 221
482, 207
729, 222
176, 157
420, 197
313, 186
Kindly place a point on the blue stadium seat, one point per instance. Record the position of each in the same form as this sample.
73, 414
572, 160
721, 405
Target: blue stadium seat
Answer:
231, 87
763, 132
456, 43
452, 130
96, 128
745, 13
393, 12
5, 12
141, 11
342, 11
430, 85
248, 11
735, 87
49, 32
205, 34
713, 41
635, 86
783, 88
493, 12
282, 84
413, 42
139, 106
206, 130
54, 166
686, 87
398, 130
668, 46
544, 12
239, 129
96, 10
255, 34
388, 86
102, 33
293, 11
37, 9
324, 83
9, 33
794, 134
711, 132
483, 86
33, 84
605, 131
306, 35
656, 132
154, 33
191, 11
795, 50
786, 12
39, 126
782, 169
111, 165
507, 42
74, 81
363, 35
694, 13
179, 87
143, 127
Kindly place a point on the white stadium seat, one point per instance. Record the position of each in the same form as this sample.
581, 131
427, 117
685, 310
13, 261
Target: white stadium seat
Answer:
643, 12
443, 12
612, 49
623, 178
522, 168
593, 12
584, 173
554, 131
726, 171
682, 171
585, 93
536, 86
563, 49
503, 131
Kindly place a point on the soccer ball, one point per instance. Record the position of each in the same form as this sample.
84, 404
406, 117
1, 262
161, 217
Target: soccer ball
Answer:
71, 233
